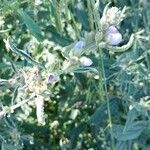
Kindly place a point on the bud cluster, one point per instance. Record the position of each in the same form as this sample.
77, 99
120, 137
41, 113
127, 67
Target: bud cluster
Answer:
112, 17
75, 58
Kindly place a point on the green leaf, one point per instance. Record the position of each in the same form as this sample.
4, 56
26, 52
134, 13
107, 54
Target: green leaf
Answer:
31, 25
4, 84
118, 133
86, 69
56, 9
82, 15
123, 145
9, 122
132, 132
55, 36
132, 114
7, 146
11, 62
22, 53
15, 94
101, 113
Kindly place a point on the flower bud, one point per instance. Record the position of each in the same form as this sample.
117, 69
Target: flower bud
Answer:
86, 61
112, 16
79, 45
114, 37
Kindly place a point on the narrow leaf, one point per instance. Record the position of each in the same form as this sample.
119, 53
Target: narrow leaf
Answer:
31, 25
82, 15
22, 53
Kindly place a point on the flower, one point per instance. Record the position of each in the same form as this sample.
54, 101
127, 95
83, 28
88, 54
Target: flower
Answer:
85, 61
77, 49
113, 15
52, 78
112, 29
114, 37
79, 45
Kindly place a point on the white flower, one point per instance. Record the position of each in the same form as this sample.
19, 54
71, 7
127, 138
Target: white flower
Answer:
85, 61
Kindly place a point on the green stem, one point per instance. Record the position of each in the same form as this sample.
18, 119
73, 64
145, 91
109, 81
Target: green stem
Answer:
90, 15
95, 6
57, 16
100, 85
66, 11
107, 98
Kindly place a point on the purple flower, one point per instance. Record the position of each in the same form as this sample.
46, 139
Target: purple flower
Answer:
52, 78
114, 37
79, 45
112, 29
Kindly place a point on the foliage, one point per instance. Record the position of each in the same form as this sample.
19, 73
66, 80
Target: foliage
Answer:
63, 85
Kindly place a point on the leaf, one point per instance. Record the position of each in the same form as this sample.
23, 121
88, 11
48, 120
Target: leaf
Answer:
86, 50
123, 79
22, 53
7, 146
132, 132
9, 122
123, 145
4, 84
56, 9
57, 37
101, 113
118, 133
11, 62
82, 15
132, 114
85, 69
31, 25
67, 49
15, 94
89, 48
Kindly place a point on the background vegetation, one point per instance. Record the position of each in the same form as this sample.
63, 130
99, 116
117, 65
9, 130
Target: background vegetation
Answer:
84, 109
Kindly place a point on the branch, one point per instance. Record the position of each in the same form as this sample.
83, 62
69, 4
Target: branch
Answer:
12, 108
